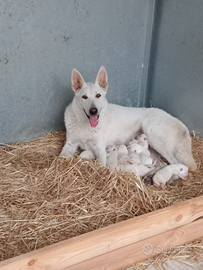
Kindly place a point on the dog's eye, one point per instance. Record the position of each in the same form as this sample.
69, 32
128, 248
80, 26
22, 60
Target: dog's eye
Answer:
85, 97
98, 96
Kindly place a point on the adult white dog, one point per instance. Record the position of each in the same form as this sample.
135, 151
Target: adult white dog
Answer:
92, 124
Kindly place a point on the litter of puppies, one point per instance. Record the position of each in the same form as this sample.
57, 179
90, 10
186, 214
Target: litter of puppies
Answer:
137, 157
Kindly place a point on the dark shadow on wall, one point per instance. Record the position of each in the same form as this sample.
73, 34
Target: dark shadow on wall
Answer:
153, 51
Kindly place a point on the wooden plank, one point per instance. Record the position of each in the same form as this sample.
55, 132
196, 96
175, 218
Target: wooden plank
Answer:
87, 246
147, 248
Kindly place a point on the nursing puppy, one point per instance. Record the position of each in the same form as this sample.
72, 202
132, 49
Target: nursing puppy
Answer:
112, 156
164, 175
92, 124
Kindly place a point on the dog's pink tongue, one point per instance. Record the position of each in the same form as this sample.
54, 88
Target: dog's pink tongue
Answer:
93, 121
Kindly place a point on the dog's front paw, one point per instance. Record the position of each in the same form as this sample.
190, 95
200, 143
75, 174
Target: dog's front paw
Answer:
102, 162
65, 154
67, 151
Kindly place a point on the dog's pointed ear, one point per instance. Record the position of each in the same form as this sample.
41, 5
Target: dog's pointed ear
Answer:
102, 78
77, 80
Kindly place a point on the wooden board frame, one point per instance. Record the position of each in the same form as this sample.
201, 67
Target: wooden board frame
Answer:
119, 245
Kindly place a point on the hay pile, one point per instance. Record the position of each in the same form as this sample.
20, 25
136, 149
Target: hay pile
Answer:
45, 199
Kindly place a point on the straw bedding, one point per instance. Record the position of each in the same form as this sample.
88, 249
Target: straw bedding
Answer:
45, 199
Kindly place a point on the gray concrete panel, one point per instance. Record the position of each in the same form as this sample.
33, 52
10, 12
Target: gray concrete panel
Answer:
40, 43
176, 65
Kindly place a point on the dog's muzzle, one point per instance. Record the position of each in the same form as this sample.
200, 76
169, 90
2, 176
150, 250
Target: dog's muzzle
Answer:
93, 117
93, 111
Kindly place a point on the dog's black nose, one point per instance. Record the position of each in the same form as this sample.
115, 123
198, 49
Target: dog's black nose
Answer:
93, 111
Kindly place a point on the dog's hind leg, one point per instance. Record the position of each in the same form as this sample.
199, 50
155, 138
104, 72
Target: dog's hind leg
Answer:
183, 153
169, 137
175, 149
167, 154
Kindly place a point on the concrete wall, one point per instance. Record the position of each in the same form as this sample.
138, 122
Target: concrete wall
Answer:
41, 41
176, 65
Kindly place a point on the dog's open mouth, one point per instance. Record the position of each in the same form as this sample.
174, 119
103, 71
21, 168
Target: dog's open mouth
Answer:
93, 119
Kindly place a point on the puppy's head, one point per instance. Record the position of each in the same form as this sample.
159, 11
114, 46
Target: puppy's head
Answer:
123, 149
90, 97
111, 148
183, 171
141, 138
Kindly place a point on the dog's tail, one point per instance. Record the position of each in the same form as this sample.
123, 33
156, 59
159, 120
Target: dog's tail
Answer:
184, 153
187, 160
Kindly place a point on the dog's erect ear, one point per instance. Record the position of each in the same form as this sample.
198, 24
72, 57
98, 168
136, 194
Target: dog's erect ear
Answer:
102, 78
77, 80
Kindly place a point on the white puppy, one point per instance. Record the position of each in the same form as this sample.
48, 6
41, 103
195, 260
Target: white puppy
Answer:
140, 169
88, 154
134, 157
143, 170
163, 176
135, 147
112, 156
142, 140
123, 157
143, 153
158, 165
145, 157
132, 141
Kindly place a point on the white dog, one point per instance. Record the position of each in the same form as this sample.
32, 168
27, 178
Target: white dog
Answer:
92, 124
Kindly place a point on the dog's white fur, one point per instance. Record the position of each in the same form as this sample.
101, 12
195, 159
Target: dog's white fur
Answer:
117, 124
